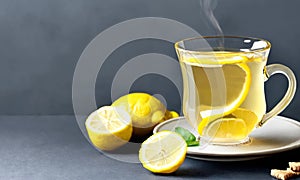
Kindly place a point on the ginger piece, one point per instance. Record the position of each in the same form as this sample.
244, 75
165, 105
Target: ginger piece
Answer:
282, 174
295, 166
295, 172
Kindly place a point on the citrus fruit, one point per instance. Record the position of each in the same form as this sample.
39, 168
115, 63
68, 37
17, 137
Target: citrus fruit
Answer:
236, 126
171, 114
109, 127
145, 111
218, 102
221, 57
248, 116
228, 128
163, 152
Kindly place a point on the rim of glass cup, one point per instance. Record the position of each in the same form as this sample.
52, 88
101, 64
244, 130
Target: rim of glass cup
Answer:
262, 49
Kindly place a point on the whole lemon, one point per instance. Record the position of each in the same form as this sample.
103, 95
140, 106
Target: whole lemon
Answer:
145, 110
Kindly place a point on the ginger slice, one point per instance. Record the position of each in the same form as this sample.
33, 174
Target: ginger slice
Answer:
295, 166
295, 172
282, 174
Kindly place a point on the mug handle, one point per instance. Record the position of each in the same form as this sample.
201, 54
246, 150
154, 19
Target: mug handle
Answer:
274, 69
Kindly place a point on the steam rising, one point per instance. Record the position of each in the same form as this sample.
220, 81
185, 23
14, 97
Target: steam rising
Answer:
208, 7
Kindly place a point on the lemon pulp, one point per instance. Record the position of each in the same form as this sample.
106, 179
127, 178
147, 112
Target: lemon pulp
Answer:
109, 128
163, 152
234, 127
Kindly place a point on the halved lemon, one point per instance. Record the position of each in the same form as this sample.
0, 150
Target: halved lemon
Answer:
223, 94
109, 127
163, 152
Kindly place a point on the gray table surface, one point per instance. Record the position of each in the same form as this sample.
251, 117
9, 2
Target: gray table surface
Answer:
53, 147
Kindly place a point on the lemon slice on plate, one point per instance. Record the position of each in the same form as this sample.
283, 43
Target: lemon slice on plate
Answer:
109, 128
163, 152
236, 83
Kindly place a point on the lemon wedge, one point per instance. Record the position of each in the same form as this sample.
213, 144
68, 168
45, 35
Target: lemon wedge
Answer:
109, 127
236, 83
163, 152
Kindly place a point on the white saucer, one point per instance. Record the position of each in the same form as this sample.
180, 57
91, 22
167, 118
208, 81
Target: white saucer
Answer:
277, 135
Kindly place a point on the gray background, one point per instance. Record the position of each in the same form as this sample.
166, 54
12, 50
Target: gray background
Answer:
41, 41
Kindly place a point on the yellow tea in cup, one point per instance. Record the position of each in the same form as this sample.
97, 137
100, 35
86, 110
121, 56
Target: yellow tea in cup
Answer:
223, 93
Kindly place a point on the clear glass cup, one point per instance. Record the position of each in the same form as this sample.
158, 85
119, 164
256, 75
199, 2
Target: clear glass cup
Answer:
223, 79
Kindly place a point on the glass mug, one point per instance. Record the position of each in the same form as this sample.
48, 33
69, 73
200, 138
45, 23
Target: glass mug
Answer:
223, 86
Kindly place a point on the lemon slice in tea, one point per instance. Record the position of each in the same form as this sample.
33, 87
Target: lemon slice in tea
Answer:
227, 129
221, 90
248, 116
236, 126
221, 57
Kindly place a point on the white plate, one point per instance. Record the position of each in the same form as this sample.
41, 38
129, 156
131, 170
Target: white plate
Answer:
277, 135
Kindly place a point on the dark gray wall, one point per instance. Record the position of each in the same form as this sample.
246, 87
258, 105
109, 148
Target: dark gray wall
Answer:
41, 41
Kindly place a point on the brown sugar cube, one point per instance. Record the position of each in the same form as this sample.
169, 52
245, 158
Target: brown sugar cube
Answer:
282, 174
295, 172
295, 166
